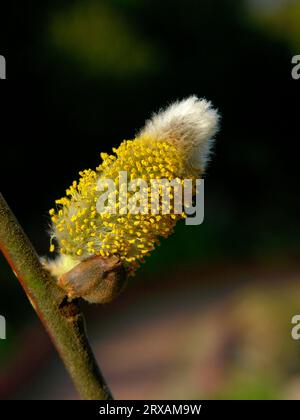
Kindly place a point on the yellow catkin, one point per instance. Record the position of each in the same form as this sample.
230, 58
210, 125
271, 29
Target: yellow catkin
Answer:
81, 231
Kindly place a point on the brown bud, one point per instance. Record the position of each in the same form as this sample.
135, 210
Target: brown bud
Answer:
96, 279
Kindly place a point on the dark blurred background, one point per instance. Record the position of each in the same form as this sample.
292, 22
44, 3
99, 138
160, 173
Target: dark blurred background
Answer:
81, 77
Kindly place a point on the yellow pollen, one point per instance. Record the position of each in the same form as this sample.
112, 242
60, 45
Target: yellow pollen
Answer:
83, 231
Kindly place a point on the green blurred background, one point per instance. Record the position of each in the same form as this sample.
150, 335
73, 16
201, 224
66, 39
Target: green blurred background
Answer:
209, 314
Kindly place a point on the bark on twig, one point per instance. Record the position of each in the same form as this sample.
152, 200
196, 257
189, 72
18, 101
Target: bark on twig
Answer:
62, 319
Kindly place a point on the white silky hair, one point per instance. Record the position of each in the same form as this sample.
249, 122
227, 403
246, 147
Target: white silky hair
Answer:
191, 124
60, 265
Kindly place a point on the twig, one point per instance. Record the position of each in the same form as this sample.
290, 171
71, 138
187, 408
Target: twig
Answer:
62, 319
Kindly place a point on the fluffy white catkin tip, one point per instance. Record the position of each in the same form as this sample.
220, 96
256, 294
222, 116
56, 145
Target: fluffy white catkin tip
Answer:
191, 124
